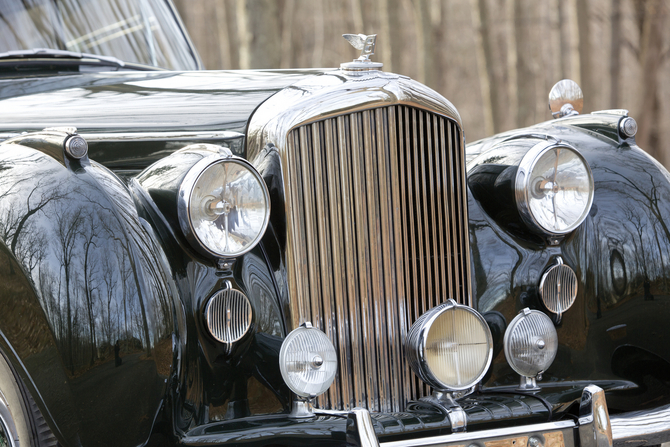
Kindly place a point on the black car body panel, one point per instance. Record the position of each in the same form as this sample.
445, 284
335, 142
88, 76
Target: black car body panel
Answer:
617, 326
105, 296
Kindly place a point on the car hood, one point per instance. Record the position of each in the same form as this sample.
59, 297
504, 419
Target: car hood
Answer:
133, 104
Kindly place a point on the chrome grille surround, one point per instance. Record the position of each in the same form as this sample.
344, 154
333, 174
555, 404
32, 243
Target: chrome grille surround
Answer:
376, 220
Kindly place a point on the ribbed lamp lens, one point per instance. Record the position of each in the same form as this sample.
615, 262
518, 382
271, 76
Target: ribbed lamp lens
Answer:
228, 315
530, 343
558, 288
450, 347
308, 361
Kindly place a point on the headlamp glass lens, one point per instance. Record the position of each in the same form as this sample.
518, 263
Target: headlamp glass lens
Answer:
229, 208
559, 190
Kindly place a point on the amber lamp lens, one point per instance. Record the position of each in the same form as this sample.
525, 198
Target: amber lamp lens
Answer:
450, 347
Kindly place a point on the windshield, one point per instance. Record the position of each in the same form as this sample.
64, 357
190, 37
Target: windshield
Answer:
137, 31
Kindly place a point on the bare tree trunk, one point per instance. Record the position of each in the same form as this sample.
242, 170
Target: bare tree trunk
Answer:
357, 14
317, 53
258, 30
224, 34
651, 56
524, 12
569, 40
615, 54
512, 86
486, 63
422, 23
584, 35
286, 34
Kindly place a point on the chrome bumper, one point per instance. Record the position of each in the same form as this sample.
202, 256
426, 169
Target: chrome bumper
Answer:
593, 429
641, 427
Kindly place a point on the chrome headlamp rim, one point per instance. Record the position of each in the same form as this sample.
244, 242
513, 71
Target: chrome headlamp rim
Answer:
522, 187
426, 321
186, 189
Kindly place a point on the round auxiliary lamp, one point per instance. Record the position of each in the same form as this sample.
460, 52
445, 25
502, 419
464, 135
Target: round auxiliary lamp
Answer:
308, 364
450, 347
530, 346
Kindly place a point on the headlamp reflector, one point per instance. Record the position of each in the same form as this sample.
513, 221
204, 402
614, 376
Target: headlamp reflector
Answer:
228, 206
554, 188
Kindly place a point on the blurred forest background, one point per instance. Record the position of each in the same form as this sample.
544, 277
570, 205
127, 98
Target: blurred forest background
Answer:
496, 60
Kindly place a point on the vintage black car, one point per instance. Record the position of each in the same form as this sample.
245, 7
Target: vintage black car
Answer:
312, 256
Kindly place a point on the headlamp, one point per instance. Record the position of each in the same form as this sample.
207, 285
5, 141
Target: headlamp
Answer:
224, 206
553, 188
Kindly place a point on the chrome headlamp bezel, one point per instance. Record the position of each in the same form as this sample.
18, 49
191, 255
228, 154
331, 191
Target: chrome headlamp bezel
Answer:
417, 339
184, 199
522, 187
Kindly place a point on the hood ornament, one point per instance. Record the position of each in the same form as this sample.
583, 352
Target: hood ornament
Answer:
367, 46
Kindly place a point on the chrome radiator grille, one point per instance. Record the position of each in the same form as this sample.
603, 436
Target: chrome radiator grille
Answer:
377, 234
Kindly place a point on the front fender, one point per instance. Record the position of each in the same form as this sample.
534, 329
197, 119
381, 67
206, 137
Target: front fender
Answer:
616, 328
88, 312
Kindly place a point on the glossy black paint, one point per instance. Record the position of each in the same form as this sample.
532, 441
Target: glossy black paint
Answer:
615, 329
84, 287
128, 104
217, 382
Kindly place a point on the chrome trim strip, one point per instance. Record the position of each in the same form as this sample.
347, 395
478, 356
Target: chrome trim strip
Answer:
359, 426
646, 427
482, 435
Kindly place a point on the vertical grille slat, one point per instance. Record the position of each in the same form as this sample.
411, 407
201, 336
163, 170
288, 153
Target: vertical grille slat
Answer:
377, 235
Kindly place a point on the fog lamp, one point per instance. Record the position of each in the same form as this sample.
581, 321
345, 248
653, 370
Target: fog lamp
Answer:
450, 347
530, 345
307, 361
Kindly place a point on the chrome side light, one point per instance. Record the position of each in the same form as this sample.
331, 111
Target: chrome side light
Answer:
228, 315
553, 188
450, 347
224, 206
530, 346
307, 361
628, 127
558, 288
